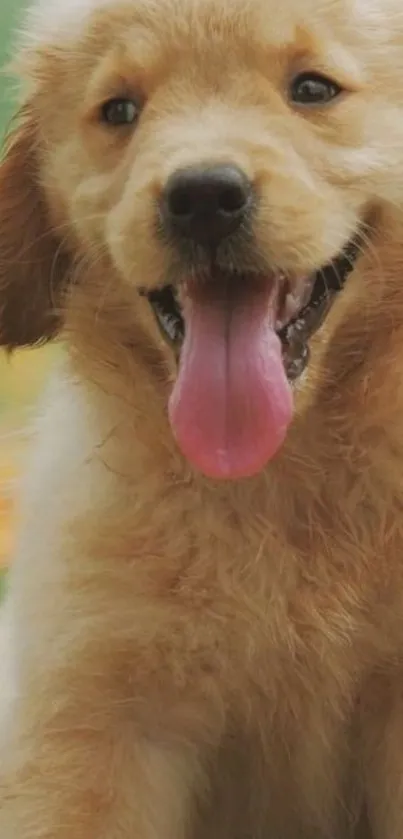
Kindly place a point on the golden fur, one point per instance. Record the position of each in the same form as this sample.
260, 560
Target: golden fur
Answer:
190, 658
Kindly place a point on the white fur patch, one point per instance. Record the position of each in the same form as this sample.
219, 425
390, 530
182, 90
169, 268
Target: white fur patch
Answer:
62, 20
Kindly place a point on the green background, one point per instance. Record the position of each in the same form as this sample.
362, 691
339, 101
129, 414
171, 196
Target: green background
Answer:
10, 17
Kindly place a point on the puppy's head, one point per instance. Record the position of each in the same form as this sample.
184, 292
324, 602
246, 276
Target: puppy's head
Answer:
224, 159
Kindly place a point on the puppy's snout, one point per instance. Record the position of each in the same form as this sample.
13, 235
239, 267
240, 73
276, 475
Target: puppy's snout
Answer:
206, 204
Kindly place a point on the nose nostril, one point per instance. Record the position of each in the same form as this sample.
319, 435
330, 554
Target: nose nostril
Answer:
181, 202
232, 199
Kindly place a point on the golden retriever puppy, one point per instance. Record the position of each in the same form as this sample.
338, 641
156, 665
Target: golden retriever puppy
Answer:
205, 613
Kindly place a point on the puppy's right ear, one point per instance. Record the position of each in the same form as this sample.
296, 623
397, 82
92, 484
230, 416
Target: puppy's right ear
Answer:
33, 266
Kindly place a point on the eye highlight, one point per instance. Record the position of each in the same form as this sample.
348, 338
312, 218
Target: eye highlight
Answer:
120, 111
310, 89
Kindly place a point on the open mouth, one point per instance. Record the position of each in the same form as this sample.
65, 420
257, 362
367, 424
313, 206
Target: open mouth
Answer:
240, 341
297, 322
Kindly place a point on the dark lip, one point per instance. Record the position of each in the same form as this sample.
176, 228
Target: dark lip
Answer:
326, 283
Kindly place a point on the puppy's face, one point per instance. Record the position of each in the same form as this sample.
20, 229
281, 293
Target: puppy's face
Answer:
224, 156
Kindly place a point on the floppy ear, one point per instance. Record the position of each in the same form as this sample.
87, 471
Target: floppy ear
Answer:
33, 267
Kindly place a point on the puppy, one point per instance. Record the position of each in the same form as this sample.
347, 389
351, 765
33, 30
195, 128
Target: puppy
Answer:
205, 612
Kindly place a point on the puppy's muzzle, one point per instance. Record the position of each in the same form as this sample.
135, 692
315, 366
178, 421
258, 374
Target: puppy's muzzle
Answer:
203, 205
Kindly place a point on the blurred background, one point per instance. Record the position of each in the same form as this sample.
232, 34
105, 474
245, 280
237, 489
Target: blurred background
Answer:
22, 376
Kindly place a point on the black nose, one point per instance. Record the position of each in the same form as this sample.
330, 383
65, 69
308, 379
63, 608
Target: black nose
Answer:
206, 204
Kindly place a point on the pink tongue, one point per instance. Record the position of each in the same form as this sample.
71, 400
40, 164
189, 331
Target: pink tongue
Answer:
231, 404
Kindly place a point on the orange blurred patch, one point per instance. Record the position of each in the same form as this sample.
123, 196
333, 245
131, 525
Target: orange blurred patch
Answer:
21, 381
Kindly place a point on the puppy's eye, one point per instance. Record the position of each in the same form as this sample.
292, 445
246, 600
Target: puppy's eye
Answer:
120, 111
313, 89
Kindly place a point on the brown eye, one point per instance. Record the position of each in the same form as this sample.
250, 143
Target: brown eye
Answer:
120, 111
313, 89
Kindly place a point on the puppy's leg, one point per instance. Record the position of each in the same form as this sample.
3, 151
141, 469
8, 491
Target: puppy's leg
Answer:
97, 775
383, 757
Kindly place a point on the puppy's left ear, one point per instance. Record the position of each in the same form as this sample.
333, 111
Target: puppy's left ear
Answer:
34, 268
